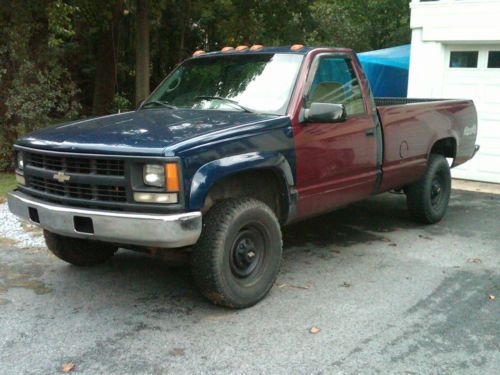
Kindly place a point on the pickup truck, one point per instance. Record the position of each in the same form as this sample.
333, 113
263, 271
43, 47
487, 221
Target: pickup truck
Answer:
229, 148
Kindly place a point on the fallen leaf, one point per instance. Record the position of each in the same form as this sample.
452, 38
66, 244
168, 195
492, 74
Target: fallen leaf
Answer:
178, 352
68, 367
425, 237
474, 260
491, 297
314, 330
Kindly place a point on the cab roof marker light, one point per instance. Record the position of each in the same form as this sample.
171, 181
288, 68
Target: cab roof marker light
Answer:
256, 47
198, 53
297, 47
241, 48
227, 49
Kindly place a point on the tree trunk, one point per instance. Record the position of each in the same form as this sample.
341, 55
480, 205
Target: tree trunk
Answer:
39, 41
185, 24
105, 74
142, 52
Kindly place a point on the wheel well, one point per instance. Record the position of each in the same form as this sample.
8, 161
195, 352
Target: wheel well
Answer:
446, 147
265, 185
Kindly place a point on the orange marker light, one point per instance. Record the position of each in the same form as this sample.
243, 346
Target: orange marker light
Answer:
199, 52
256, 47
172, 176
296, 47
241, 48
227, 49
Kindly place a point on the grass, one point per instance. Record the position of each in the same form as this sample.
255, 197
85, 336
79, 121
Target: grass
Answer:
7, 183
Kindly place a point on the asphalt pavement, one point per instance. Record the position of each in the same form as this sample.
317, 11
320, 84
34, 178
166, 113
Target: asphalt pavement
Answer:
383, 294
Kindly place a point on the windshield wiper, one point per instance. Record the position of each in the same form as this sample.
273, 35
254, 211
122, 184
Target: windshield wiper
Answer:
227, 100
158, 102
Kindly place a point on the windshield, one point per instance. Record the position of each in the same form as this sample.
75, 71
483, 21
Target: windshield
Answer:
260, 83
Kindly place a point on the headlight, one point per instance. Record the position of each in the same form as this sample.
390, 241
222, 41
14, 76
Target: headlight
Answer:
20, 161
159, 175
154, 175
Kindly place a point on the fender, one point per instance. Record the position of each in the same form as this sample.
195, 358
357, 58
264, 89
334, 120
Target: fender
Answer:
207, 175
451, 135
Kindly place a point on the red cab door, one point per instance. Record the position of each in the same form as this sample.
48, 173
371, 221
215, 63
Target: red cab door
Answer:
336, 162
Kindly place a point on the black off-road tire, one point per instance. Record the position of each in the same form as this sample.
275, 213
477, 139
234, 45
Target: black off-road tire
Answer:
79, 252
427, 199
238, 256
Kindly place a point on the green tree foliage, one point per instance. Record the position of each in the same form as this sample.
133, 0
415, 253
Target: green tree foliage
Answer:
36, 89
60, 59
361, 24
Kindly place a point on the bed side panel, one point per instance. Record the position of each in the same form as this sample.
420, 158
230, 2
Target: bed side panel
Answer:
411, 130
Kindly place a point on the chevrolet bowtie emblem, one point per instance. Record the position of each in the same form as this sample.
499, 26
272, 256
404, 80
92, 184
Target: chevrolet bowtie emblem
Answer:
61, 177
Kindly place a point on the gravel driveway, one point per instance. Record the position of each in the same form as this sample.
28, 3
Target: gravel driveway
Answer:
387, 296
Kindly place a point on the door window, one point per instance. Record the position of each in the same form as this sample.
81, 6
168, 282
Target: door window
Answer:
335, 82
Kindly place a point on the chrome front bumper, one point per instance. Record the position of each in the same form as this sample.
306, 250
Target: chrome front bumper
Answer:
128, 228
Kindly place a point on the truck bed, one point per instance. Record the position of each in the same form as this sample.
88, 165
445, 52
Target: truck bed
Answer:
411, 128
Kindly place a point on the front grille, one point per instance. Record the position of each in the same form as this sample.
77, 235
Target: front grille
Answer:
105, 167
91, 180
79, 191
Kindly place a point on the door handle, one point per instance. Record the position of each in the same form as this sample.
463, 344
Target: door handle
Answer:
370, 132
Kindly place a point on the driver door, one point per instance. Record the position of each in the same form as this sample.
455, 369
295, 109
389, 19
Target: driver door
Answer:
336, 162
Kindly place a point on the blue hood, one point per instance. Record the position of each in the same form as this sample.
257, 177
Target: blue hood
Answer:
143, 132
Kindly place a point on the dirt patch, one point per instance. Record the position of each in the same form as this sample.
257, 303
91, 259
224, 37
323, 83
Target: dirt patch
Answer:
25, 276
7, 241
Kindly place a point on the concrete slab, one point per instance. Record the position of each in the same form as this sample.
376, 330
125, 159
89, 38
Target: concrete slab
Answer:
479, 187
389, 297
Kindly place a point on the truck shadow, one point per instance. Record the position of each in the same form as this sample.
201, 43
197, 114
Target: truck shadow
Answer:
154, 287
321, 237
361, 222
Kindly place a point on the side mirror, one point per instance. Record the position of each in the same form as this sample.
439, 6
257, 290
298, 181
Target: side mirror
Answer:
325, 112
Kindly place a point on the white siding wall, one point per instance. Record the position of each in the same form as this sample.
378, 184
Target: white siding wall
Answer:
439, 27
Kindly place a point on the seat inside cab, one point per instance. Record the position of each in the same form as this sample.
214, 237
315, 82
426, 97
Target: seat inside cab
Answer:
336, 83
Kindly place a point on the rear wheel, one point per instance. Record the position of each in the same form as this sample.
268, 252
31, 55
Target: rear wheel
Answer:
428, 198
77, 251
238, 255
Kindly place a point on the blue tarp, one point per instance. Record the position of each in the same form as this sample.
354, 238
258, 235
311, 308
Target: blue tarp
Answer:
387, 70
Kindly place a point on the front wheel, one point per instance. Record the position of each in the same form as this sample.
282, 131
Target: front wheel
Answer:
79, 252
427, 199
238, 255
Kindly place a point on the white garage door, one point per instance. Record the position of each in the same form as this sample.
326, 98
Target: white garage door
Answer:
473, 72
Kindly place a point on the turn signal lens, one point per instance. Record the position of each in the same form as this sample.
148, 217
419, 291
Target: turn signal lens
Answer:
172, 176
20, 161
156, 197
20, 179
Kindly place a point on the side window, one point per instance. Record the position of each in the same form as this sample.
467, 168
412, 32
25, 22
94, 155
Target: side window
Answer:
335, 82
